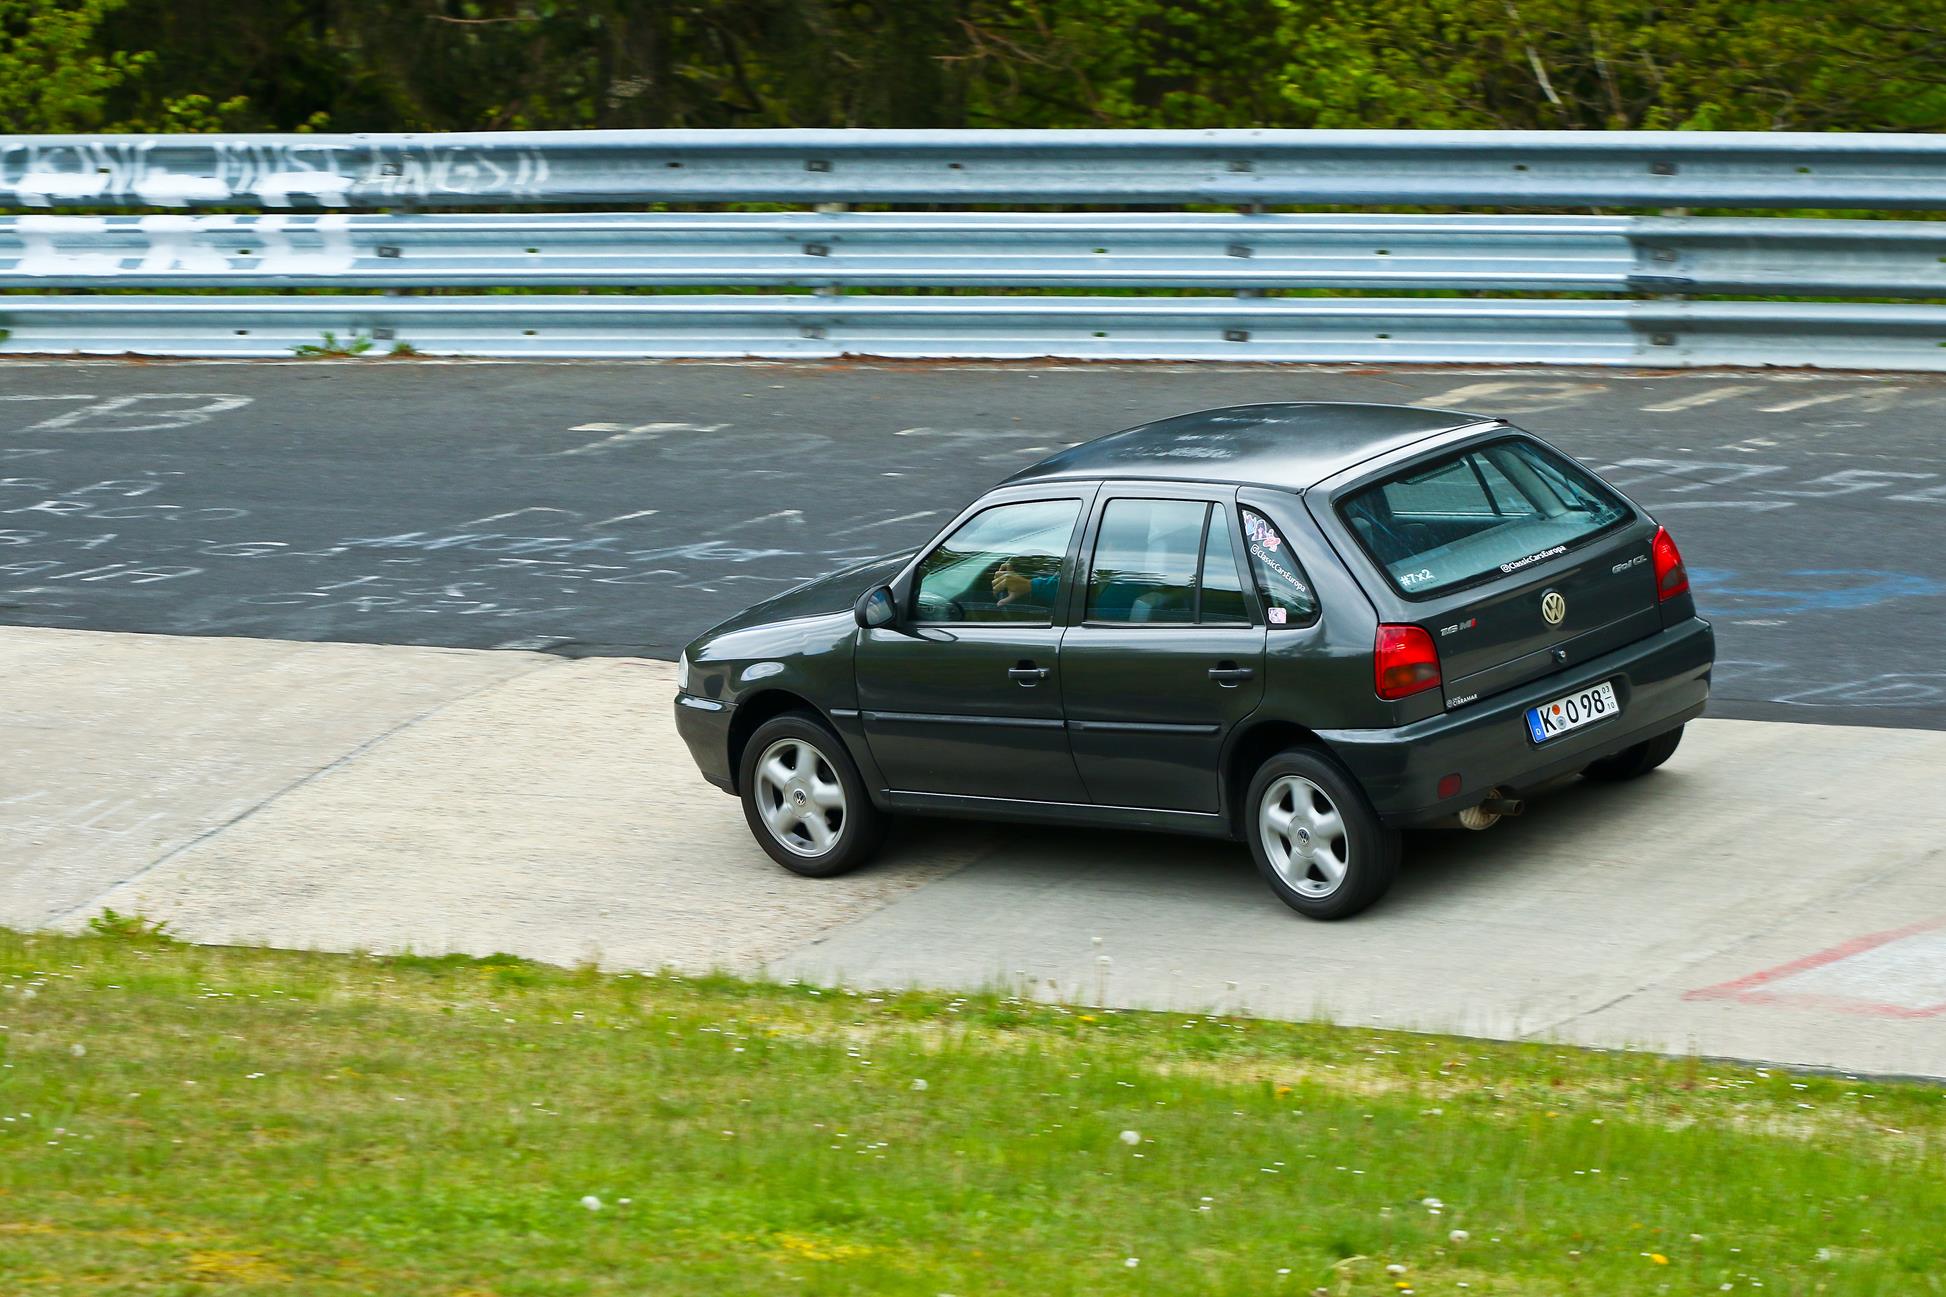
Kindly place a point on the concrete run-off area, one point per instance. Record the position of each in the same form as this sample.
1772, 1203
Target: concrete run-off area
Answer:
1777, 892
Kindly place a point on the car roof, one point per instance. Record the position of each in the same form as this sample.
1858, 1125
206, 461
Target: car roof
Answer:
1290, 444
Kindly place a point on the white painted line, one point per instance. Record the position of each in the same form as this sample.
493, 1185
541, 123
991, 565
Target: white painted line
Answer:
1881, 399
1710, 397
623, 517
887, 522
793, 515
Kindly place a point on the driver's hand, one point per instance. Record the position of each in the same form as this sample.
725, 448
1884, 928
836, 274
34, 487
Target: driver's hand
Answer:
1009, 585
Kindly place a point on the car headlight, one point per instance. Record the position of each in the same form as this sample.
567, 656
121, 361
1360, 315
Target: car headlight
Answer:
682, 671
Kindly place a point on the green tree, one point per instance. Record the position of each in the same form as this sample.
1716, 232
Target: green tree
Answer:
1617, 64
53, 74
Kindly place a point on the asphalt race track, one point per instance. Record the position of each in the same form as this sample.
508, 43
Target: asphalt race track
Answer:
1775, 892
617, 509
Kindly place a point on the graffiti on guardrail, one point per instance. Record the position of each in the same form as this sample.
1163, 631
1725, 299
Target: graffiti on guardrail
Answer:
100, 247
289, 172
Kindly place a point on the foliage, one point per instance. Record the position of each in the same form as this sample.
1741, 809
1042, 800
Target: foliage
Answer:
116, 926
182, 1118
54, 76
353, 65
331, 349
1619, 64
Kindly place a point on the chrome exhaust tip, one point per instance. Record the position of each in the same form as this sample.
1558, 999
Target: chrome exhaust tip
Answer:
1492, 808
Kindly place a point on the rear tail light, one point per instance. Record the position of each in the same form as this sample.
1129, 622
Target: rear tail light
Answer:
1404, 661
1671, 577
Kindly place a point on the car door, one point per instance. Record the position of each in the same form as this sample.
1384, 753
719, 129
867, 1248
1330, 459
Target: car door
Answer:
962, 694
1166, 653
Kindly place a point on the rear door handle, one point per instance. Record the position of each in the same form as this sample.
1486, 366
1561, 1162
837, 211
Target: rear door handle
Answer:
1027, 674
1230, 677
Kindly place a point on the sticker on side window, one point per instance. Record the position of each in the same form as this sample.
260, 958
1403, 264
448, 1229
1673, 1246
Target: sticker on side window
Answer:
1287, 596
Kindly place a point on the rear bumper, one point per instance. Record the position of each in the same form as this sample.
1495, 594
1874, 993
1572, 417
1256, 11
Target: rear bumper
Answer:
704, 724
1661, 682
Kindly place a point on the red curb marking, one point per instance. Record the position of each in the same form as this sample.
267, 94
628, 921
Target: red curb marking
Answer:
1748, 990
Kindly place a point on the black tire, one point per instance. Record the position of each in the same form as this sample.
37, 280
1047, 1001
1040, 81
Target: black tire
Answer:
1367, 849
814, 758
1634, 762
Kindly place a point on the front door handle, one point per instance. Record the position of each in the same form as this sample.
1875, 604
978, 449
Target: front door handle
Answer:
1230, 676
1027, 674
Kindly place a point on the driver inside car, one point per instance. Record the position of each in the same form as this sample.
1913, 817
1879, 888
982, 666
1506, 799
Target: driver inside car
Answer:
1130, 587
1011, 587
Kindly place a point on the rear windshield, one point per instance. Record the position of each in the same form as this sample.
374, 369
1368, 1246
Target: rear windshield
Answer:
1487, 512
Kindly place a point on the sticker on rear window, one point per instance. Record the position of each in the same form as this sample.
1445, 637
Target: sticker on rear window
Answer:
1491, 510
1532, 559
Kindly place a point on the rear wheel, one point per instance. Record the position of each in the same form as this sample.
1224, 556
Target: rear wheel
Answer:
804, 800
1635, 761
1315, 837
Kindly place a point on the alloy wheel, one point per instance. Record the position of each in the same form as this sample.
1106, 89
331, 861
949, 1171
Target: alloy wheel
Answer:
1304, 836
800, 798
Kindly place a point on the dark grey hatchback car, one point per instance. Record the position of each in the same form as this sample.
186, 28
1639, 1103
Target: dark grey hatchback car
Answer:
1306, 626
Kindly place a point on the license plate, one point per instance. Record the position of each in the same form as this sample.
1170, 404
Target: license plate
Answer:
1582, 707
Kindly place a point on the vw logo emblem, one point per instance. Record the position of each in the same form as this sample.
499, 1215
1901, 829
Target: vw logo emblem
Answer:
1554, 608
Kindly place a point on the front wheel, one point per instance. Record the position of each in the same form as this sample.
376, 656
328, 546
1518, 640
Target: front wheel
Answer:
804, 800
1633, 762
1316, 839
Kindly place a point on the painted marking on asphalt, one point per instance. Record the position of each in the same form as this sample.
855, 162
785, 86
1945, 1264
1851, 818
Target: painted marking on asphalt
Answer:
1896, 974
886, 522
622, 517
1749, 506
1519, 397
795, 516
515, 513
626, 435
1881, 399
1708, 397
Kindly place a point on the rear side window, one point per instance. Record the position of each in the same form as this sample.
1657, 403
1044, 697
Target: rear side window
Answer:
1145, 561
1222, 581
1166, 561
1486, 512
1288, 597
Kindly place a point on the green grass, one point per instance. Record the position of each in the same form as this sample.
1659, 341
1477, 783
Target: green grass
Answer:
191, 1120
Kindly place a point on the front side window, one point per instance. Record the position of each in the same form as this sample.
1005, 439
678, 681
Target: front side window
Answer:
1002, 565
1288, 597
1488, 511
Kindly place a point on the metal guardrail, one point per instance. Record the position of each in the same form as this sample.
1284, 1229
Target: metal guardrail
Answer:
317, 238
975, 250
960, 168
1401, 330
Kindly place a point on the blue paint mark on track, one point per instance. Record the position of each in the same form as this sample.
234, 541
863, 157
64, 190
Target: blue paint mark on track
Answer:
1822, 590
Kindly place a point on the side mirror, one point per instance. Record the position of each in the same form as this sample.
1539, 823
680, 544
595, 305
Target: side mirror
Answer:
877, 608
